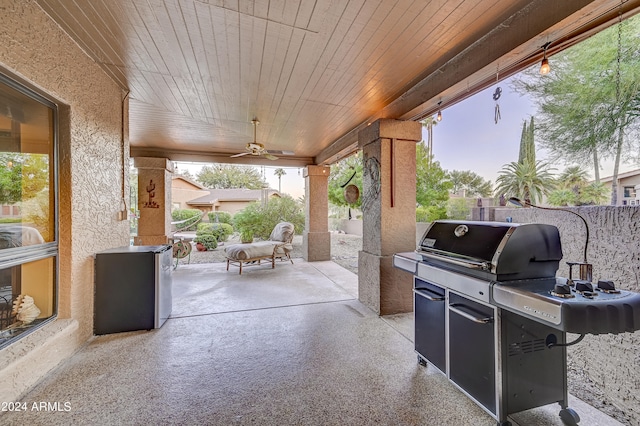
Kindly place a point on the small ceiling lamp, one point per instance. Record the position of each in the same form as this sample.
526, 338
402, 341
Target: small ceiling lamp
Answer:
439, 116
544, 65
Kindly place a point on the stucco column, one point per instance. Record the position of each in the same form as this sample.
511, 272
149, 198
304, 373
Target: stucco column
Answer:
316, 239
154, 200
388, 213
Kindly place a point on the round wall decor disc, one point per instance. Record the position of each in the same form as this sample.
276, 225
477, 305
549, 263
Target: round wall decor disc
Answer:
351, 194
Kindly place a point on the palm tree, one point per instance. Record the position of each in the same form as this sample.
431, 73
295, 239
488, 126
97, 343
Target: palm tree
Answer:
429, 122
279, 172
530, 181
574, 189
573, 178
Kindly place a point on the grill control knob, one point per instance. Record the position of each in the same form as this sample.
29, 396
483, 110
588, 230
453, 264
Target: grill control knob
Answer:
606, 285
562, 290
582, 286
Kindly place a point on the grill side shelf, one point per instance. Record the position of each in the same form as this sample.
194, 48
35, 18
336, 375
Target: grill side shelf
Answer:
606, 313
407, 261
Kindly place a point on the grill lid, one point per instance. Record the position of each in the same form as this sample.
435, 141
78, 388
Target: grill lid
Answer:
507, 250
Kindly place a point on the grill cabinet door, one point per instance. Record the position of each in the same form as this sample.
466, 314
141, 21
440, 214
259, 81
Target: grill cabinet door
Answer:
429, 311
472, 349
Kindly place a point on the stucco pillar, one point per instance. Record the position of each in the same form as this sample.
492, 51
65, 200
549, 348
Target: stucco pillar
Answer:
388, 213
316, 239
154, 200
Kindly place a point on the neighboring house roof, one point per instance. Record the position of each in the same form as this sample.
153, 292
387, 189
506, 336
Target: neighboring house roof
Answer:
220, 195
624, 175
197, 185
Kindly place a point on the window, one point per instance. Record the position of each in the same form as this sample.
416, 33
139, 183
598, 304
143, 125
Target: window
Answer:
28, 223
629, 192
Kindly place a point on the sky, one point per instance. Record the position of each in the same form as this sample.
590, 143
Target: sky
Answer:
467, 138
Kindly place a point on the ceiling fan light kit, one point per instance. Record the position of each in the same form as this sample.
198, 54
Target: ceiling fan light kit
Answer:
255, 148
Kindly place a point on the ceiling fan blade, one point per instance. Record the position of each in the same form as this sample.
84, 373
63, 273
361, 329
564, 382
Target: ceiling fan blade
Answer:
270, 157
239, 155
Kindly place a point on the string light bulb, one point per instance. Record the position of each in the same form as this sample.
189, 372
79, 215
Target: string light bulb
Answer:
544, 65
439, 116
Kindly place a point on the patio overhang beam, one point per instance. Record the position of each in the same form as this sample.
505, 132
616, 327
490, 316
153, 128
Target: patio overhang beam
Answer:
224, 158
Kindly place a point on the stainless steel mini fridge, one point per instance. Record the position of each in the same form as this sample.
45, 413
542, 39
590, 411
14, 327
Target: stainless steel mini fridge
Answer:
132, 288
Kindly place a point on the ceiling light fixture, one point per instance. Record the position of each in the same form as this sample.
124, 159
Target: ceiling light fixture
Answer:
544, 65
439, 116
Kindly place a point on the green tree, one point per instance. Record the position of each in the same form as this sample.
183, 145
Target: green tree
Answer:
346, 170
429, 123
528, 181
590, 102
574, 189
432, 185
527, 143
279, 172
225, 176
259, 219
472, 184
22, 176
562, 197
594, 193
458, 208
185, 174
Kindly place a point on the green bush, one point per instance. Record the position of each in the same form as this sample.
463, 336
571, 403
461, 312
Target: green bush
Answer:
223, 217
209, 241
458, 208
430, 213
179, 215
260, 220
246, 236
220, 230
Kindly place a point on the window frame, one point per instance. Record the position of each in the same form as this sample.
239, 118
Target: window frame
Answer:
16, 256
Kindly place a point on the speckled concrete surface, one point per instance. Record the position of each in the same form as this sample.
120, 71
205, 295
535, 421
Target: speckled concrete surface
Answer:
314, 358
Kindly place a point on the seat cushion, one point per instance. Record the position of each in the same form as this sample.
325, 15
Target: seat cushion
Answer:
250, 251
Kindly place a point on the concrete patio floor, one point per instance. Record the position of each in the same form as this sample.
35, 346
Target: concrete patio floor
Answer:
284, 346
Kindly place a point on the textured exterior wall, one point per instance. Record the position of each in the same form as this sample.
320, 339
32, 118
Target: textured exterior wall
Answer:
609, 362
34, 49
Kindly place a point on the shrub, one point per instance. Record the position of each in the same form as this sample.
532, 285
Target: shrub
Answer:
260, 219
430, 213
220, 230
180, 215
209, 241
246, 236
222, 217
458, 208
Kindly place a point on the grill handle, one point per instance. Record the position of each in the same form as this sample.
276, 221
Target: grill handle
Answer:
477, 319
424, 292
483, 266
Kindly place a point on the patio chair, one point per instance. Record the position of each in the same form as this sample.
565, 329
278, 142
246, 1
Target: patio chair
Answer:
278, 246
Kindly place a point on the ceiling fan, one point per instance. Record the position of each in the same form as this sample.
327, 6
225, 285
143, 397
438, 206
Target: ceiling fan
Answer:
255, 148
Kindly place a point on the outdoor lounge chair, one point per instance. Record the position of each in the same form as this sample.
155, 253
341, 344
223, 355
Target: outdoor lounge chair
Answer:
278, 246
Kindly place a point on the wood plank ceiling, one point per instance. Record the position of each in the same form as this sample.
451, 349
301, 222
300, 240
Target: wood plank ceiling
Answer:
313, 72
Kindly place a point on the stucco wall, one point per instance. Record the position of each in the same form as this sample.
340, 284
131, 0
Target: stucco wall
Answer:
34, 49
609, 362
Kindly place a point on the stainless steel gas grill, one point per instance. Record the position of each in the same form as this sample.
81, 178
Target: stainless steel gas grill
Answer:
491, 314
